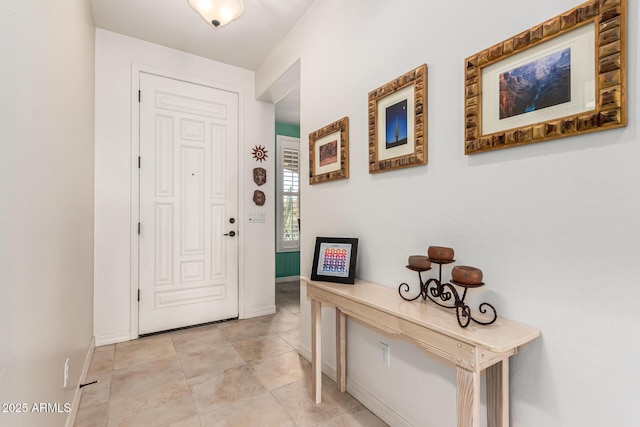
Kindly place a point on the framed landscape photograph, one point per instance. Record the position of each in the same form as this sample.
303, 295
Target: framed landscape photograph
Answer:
566, 76
334, 260
329, 152
398, 122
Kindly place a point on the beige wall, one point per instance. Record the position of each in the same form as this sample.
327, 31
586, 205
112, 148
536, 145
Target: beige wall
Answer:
554, 225
46, 208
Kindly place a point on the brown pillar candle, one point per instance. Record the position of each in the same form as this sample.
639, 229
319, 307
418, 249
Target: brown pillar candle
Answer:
466, 275
440, 253
419, 261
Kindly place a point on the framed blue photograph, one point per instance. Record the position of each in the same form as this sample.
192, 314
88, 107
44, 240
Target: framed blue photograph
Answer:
398, 122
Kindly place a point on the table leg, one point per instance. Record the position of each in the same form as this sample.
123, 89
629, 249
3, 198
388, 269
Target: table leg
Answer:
467, 398
341, 347
316, 349
498, 394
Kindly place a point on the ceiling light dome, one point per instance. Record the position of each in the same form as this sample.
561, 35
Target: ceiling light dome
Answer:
218, 12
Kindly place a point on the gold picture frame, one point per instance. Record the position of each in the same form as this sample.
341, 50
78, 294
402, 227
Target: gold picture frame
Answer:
398, 122
493, 93
329, 152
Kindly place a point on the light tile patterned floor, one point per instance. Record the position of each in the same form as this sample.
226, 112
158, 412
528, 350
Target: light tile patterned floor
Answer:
240, 373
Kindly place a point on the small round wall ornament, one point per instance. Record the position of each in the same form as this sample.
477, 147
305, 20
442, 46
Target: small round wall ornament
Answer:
260, 176
259, 198
259, 153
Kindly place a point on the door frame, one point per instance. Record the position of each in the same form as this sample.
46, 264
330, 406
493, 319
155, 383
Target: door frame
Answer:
136, 70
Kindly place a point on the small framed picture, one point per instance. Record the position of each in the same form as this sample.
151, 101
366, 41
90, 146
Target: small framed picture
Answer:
334, 260
329, 152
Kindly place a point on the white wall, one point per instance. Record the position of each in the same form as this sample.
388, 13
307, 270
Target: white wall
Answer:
554, 226
115, 57
46, 208
279, 71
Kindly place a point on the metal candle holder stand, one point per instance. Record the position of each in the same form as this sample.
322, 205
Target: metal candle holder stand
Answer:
435, 290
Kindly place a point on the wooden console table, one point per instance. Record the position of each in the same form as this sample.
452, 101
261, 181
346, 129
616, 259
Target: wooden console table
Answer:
434, 330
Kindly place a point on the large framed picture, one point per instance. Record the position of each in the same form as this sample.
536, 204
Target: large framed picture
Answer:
334, 260
398, 122
329, 152
566, 76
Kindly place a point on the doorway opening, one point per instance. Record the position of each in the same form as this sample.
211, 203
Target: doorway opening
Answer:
286, 94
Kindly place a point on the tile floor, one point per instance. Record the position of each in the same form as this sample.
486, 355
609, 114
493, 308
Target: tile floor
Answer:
237, 373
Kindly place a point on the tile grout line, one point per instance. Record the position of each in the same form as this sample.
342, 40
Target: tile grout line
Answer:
283, 318
186, 381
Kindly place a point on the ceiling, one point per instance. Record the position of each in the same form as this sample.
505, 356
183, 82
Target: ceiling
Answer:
244, 43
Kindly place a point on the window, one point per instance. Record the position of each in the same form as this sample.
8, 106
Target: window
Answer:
288, 194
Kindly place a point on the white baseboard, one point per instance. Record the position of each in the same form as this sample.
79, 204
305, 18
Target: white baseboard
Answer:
112, 338
262, 311
78, 394
327, 369
384, 412
304, 352
287, 279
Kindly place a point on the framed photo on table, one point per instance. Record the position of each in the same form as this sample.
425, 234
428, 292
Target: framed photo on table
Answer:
329, 152
334, 260
566, 76
398, 122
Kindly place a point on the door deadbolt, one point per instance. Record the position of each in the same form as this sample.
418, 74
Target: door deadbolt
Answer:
232, 220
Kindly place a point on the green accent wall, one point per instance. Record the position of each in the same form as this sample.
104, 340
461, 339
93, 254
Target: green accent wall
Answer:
287, 263
287, 130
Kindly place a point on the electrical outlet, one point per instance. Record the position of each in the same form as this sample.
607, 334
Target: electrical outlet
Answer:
66, 372
385, 354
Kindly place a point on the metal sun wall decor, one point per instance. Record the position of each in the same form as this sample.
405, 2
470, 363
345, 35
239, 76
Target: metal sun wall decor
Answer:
259, 153
464, 277
566, 76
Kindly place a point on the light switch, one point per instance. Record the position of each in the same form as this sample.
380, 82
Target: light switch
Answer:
256, 217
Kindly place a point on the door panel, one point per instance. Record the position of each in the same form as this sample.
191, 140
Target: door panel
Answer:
188, 192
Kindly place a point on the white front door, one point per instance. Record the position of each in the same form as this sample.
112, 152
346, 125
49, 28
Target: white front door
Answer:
188, 262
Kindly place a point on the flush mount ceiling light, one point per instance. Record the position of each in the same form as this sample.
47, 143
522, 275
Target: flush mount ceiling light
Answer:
218, 12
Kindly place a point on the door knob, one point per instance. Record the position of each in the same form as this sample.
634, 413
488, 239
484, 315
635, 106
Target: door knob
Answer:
230, 234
